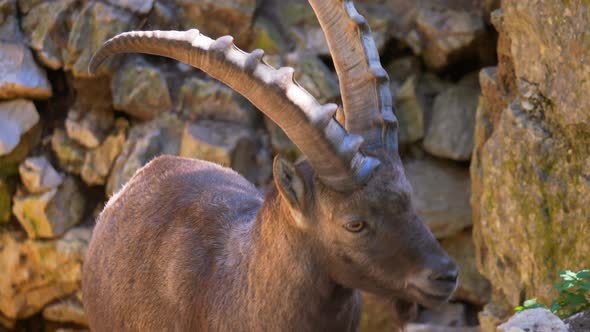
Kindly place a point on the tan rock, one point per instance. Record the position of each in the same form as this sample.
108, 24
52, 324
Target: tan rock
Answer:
218, 18
16, 118
208, 99
98, 162
38, 175
70, 154
227, 144
38, 272
50, 214
69, 310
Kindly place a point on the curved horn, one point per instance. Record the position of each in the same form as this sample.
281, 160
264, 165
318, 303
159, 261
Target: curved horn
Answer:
364, 84
332, 152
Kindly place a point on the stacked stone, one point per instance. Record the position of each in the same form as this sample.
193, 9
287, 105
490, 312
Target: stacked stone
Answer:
68, 141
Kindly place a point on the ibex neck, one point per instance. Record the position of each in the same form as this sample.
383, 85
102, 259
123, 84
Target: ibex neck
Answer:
285, 277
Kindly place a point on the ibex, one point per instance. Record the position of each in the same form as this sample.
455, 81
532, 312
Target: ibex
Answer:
187, 245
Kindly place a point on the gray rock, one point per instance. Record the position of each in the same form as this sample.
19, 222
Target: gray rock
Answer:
98, 162
533, 320
9, 29
70, 154
227, 144
207, 99
50, 214
400, 69
409, 111
16, 118
579, 322
417, 327
89, 123
441, 195
145, 142
136, 6
303, 29
141, 90
314, 76
45, 26
38, 175
20, 76
450, 133
95, 23
447, 32
279, 141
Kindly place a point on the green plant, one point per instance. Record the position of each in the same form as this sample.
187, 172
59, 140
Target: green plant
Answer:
573, 296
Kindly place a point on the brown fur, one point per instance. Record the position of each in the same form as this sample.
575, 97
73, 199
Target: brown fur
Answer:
188, 245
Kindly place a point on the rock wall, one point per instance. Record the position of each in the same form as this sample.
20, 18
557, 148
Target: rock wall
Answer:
68, 141
531, 163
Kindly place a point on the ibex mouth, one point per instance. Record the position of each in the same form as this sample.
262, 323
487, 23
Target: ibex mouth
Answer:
430, 297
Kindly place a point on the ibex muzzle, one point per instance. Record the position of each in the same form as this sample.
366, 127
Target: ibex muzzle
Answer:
188, 245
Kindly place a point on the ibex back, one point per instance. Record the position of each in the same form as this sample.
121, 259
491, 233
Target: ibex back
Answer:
187, 245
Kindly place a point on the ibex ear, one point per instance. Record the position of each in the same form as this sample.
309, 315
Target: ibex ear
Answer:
290, 183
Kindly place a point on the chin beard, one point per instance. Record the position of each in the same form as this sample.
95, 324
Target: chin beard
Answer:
404, 311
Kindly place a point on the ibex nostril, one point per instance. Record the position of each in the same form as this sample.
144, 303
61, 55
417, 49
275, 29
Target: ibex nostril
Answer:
447, 276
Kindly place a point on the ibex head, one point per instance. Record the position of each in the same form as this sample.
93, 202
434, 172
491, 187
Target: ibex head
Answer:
351, 198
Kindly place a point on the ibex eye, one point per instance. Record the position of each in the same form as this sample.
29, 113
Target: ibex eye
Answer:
355, 226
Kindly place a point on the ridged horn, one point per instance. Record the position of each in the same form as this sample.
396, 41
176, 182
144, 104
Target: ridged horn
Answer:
308, 124
364, 84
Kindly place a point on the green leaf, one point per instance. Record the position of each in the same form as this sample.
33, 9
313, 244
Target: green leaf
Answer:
584, 274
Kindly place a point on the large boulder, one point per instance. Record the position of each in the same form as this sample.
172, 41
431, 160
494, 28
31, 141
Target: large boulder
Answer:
37, 272
531, 163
